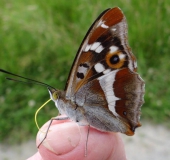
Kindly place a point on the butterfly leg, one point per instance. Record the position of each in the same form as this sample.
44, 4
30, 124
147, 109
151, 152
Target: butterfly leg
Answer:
52, 119
88, 131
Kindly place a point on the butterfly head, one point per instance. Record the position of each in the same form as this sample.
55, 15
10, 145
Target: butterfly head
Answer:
54, 94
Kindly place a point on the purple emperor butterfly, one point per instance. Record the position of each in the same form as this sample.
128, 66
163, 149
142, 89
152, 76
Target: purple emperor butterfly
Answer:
103, 89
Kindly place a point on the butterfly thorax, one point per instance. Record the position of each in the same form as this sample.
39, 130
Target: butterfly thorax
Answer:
68, 107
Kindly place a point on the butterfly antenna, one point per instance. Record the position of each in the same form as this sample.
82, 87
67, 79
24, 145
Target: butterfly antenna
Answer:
28, 79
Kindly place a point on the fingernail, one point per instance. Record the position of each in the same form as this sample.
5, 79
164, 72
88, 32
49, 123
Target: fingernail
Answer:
61, 138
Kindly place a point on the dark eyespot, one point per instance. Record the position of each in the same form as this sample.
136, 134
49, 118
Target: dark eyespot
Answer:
80, 75
114, 59
84, 65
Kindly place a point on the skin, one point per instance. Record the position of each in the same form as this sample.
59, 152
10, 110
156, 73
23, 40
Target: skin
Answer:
66, 140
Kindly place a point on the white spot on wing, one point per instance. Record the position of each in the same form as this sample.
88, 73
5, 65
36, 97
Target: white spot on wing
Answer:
99, 67
106, 71
106, 82
99, 49
104, 26
101, 23
87, 47
95, 45
113, 49
130, 65
121, 56
82, 69
114, 29
135, 64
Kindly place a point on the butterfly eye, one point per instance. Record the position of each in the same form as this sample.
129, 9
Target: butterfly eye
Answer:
55, 95
114, 59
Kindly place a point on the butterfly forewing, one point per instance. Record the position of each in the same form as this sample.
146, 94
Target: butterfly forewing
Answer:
104, 77
108, 33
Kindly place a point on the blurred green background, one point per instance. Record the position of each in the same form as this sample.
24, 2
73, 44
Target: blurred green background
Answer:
40, 39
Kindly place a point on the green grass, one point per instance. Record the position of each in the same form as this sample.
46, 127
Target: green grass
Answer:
39, 40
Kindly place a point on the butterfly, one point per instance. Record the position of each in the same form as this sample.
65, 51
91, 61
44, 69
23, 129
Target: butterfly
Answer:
103, 89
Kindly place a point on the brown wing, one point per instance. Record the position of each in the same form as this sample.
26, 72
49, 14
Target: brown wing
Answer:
112, 102
103, 79
109, 30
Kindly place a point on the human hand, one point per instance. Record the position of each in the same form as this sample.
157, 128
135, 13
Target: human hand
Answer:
66, 141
